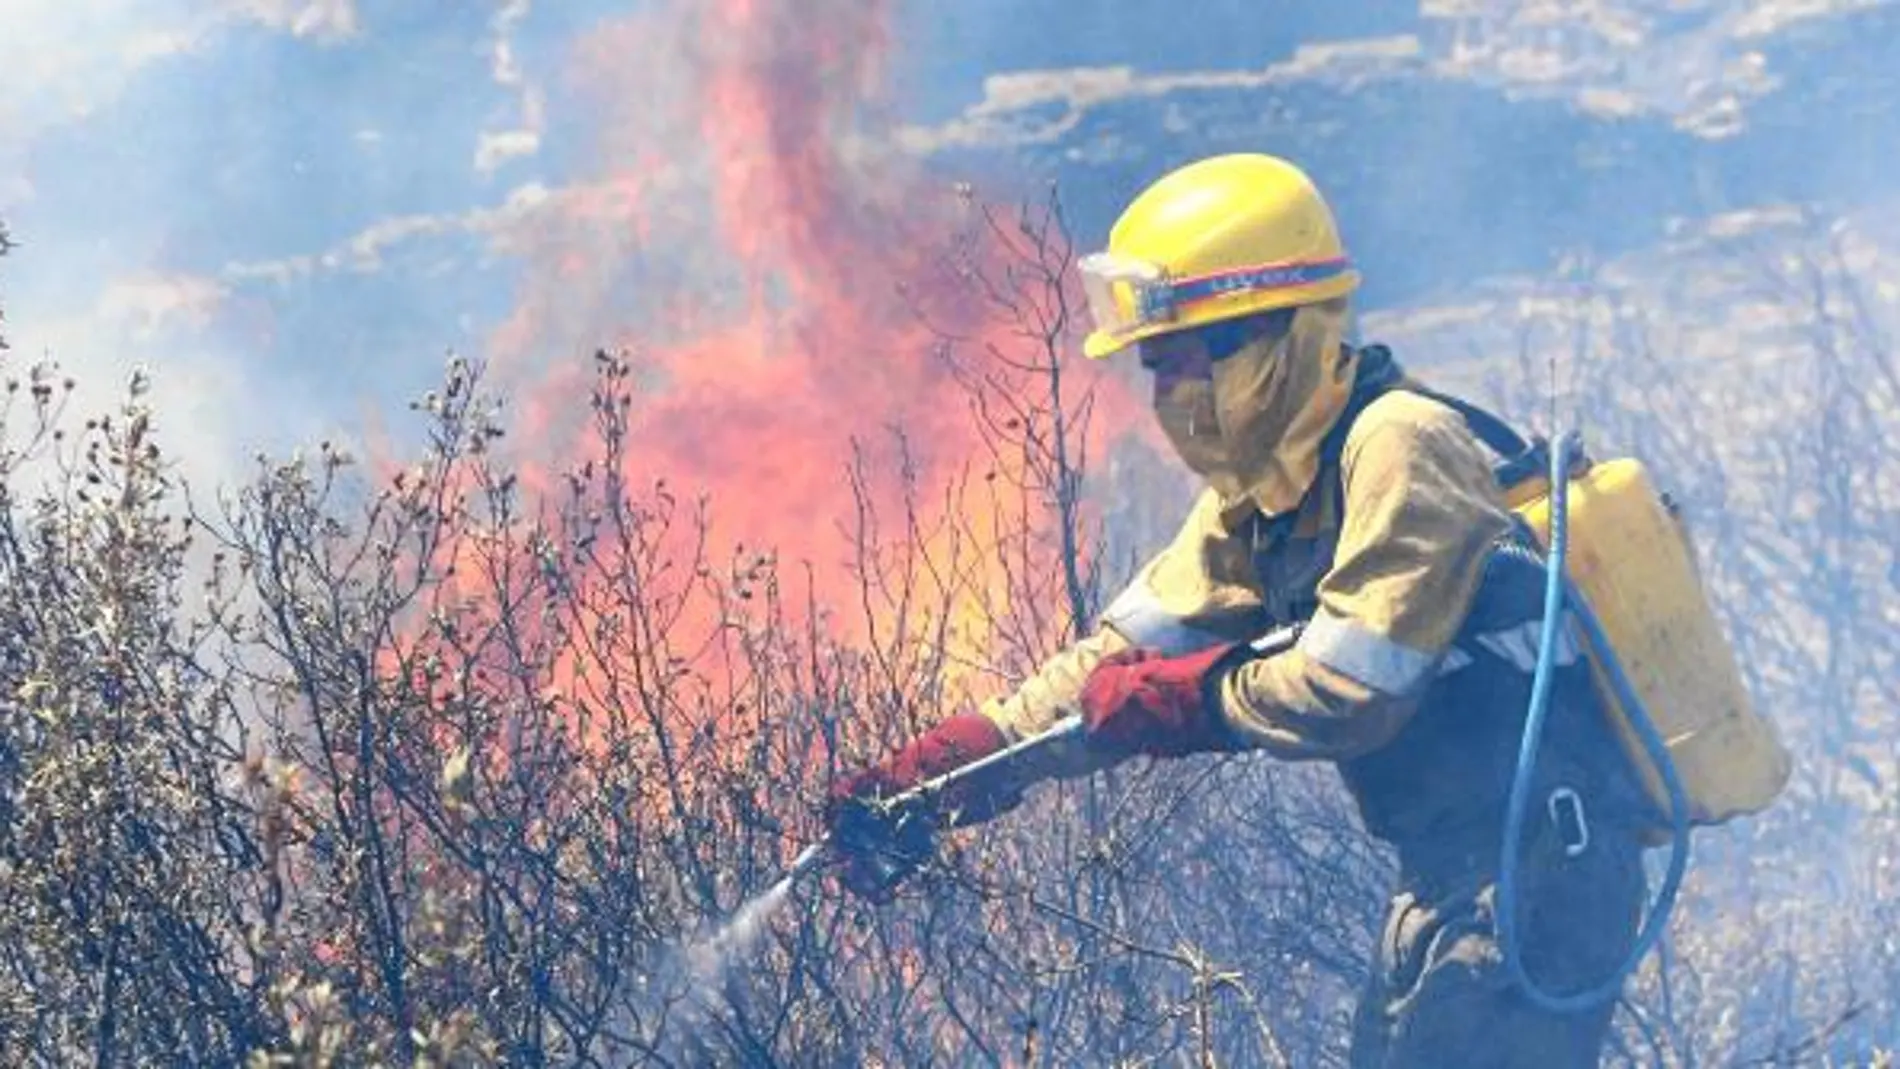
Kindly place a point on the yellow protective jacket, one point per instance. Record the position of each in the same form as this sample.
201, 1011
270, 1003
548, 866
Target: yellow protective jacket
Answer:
1380, 562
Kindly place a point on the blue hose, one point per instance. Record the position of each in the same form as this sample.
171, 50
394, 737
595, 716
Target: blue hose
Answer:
1557, 587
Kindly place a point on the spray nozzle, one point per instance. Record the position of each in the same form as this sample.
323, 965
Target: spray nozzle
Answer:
881, 842
878, 842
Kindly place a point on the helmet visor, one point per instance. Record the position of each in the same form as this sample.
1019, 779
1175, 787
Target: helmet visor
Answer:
1124, 294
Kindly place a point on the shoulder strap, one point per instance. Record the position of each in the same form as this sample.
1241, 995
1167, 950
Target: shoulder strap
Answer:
1379, 372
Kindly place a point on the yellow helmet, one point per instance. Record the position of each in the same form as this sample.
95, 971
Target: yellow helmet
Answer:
1225, 237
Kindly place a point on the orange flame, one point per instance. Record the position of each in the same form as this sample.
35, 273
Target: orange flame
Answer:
769, 254
784, 283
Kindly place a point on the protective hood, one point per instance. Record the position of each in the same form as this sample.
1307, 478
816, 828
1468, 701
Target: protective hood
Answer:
1253, 430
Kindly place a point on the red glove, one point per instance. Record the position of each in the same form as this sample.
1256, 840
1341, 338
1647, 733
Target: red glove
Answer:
950, 745
1140, 701
881, 848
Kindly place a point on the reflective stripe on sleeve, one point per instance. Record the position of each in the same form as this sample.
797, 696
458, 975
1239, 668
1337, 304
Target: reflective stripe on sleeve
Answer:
1364, 655
1142, 620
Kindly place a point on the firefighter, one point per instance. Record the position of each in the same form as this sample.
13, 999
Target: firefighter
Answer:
1347, 505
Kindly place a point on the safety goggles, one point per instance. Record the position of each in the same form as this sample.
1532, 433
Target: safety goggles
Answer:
1126, 295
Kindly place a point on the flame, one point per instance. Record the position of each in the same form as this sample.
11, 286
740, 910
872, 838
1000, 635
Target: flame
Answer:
762, 251
777, 284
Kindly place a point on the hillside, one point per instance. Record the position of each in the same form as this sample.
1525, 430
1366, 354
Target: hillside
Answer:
1497, 138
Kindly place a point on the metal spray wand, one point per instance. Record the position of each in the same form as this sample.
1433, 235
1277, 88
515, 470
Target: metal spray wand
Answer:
815, 856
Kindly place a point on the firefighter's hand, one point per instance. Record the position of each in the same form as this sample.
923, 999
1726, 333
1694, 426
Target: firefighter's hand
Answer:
1139, 701
950, 745
883, 843
880, 839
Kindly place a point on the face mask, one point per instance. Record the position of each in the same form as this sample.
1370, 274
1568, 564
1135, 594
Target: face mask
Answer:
1189, 417
1253, 431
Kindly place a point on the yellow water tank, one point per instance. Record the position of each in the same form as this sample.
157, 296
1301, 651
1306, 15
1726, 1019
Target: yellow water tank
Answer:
1632, 561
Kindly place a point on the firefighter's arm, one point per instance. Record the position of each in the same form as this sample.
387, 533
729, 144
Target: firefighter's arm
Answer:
1190, 596
1193, 595
1051, 693
1421, 510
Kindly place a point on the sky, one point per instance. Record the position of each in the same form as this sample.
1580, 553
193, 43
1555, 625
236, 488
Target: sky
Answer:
291, 211
217, 191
